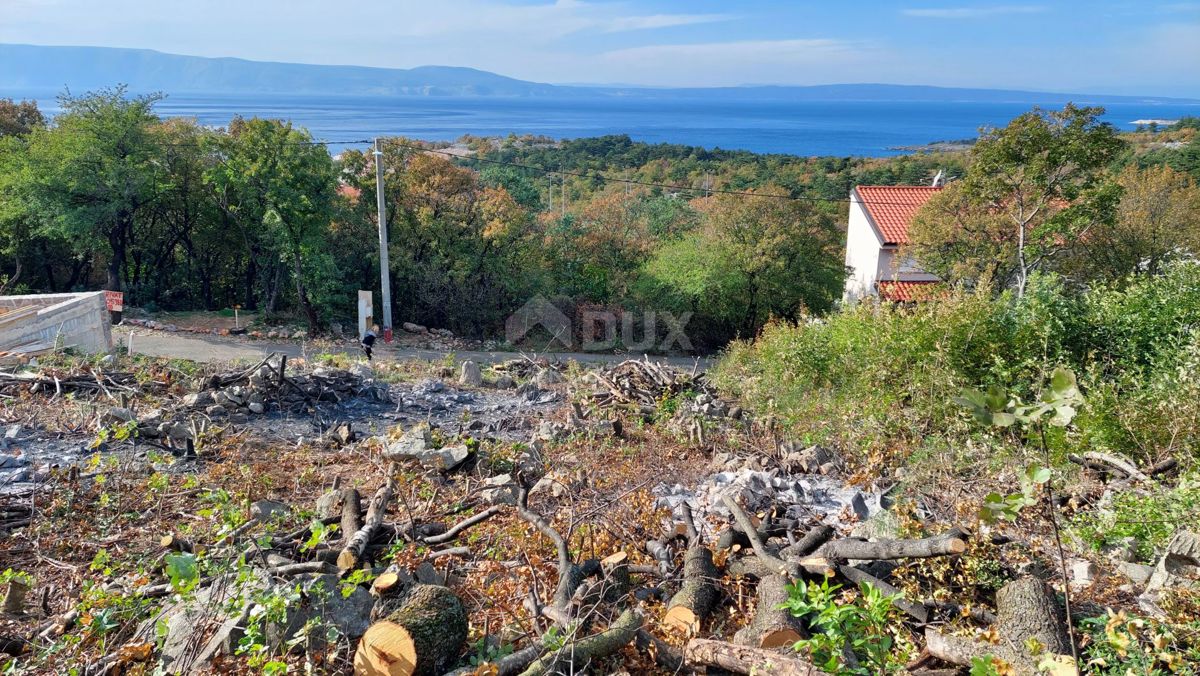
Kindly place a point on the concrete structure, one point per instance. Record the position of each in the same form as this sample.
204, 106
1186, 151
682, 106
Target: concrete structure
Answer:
878, 227
78, 320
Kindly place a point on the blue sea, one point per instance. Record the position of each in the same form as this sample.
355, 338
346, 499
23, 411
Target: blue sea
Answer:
850, 128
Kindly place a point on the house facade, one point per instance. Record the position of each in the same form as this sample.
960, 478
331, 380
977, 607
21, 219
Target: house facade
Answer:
879, 219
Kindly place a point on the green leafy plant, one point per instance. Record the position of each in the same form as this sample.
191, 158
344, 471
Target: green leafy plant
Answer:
319, 533
183, 571
861, 625
1056, 406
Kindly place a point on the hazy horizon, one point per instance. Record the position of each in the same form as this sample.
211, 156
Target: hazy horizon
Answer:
1111, 47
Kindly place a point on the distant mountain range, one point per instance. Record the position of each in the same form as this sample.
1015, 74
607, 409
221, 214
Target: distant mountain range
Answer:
33, 67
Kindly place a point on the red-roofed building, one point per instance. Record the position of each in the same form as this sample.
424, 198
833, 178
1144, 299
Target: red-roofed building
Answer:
878, 226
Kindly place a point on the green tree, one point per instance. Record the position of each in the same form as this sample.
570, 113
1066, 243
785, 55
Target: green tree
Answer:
751, 258
95, 171
1042, 174
278, 187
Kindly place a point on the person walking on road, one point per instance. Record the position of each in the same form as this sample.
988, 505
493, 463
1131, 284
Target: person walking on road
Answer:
368, 340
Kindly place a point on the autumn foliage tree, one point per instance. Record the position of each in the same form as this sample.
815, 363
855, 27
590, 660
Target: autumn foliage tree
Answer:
1033, 190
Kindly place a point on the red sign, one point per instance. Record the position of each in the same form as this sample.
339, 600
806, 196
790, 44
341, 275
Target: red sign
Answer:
114, 300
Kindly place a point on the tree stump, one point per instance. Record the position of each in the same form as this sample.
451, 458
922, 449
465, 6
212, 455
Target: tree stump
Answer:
422, 637
772, 626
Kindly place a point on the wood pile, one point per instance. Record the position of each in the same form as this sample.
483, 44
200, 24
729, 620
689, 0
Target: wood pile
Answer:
642, 384
89, 381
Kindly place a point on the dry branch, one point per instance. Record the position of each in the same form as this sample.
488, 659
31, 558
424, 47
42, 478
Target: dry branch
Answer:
575, 655
893, 549
746, 660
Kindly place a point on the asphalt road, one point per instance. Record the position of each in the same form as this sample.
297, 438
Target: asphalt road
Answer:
219, 348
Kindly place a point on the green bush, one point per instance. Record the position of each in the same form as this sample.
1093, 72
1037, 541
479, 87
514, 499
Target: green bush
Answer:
1151, 519
874, 378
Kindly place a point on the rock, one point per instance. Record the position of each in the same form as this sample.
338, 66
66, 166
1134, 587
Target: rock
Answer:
884, 525
180, 622
342, 434
198, 400
414, 328
427, 574
117, 415
321, 599
239, 419
501, 490
256, 408
178, 432
445, 458
470, 375
265, 510
807, 461
1083, 573
1179, 568
1124, 550
1137, 573
859, 504
547, 377
17, 462
329, 504
505, 383
410, 445
216, 411
300, 335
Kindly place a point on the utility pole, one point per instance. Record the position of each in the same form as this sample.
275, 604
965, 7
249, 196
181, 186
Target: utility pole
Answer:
385, 282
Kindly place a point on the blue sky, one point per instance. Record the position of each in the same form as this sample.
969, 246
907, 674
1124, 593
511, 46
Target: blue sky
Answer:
1103, 46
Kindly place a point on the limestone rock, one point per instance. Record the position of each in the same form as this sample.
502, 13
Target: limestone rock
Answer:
470, 375
198, 400
1179, 568
265, 510
547, 377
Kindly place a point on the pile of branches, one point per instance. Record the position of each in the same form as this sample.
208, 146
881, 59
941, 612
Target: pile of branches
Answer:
642, 384
87, 380
269, 383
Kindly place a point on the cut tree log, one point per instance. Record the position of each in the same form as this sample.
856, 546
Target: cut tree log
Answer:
574, 655
696, 596
353, 551
422, 637
742, 659
772, 626
777, 565
1027, 614
893, 549
351, 514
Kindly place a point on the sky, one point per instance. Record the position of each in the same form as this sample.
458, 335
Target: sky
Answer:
1097, 46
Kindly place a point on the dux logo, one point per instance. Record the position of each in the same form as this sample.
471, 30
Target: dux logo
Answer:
539, 312
603, 330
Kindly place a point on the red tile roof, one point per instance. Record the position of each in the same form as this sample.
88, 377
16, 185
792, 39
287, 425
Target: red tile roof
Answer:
906, 292
892, 207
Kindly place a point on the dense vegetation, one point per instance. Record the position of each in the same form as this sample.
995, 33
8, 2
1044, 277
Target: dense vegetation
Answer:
258, 214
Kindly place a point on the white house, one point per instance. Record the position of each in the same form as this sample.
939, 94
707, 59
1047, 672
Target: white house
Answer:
879, 220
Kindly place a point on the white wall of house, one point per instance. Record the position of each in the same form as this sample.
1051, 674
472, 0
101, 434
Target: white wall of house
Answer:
863, 249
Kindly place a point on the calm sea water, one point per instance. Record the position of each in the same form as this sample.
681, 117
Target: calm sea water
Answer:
802, 128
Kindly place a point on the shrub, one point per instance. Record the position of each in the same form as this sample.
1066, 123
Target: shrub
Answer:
1150, 519
876, 378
